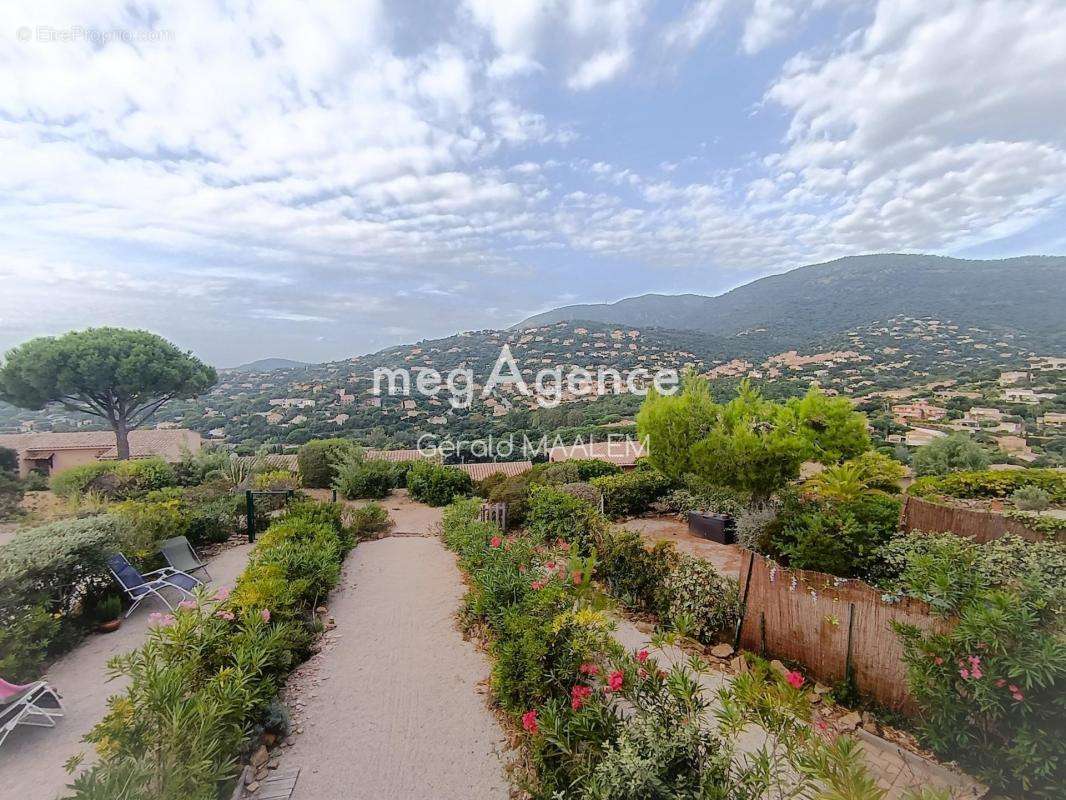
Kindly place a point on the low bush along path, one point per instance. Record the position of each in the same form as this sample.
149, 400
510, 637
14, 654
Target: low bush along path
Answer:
31, 762
393, 705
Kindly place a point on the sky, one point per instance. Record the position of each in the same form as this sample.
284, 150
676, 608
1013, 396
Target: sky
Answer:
320, 180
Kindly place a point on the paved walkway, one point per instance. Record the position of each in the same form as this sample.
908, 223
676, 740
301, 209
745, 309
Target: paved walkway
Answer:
31, 760
393, 706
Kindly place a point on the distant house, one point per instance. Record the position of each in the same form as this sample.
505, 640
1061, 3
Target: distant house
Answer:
1053, 418
51, 453
916, 437
620, 452
400, 455
920, 410
1027, 396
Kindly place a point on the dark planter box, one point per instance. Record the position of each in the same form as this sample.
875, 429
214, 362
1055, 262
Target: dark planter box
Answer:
716, 527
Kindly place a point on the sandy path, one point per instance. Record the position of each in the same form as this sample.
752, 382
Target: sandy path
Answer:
31, 761
391, 706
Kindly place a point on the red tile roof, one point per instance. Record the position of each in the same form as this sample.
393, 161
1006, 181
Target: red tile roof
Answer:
479, 472
168, 443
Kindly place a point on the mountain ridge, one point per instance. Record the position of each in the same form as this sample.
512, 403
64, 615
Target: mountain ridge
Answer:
1023, 293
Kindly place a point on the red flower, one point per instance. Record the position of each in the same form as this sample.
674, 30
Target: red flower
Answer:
529, 721
1018, 696
578, 695
589, 668
642, 673
938, 661
642, 656
496, 541
615, 680
794, 679
965, 673
1000, 683
536, 585
561, 542
822, 726
550, 565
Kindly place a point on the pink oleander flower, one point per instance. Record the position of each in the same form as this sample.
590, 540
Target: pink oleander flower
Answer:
938, 661
1018, 696
222, 594
521, 569
974, 660
965, 673
536, 585
495, 542
589, 668
561, 542
265, 614
226, 615
822, 726
578, 694
642, 673
615, 681
642, 656
794, 679
1012, 688
529, 721
1000, 683
976, 673
550, 565
187, 604
161, 620
576, 576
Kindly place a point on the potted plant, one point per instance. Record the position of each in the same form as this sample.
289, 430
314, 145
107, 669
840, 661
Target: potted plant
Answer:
108, 614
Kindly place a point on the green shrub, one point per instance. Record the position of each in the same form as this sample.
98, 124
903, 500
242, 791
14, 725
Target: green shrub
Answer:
357, 480
35, 482
316, 460
753, 528
26, 635
555, 514
630, 493
436, 485
149, 521
275, 480
11, 491
115, 480
371, 518
633, 573
211, 521
589, 468
840, 538
954, 453
1030, 498
693, 593
514, 491
991, 484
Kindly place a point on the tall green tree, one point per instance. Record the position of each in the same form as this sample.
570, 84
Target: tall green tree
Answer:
122, 376
672, 423
949, 454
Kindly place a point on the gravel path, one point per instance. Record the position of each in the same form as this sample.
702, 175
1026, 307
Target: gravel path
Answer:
392, 707
31, 761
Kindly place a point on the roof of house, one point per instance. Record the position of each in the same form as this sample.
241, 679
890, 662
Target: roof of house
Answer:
479, 472
399, 455
624, 453
168, 443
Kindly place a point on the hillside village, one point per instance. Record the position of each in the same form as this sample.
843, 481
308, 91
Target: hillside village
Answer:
917, 379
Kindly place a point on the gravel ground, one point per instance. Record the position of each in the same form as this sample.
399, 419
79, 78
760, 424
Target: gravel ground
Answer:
31, 761
392, 707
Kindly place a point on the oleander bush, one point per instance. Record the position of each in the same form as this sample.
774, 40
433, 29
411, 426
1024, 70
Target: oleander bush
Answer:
557, 514
628, 494
208, 674
115, 480
437, 485
600, 723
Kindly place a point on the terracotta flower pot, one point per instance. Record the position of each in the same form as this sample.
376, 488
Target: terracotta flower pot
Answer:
109, 627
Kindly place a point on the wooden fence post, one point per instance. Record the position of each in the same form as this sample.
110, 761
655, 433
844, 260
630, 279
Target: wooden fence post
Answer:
847, 656
743, 603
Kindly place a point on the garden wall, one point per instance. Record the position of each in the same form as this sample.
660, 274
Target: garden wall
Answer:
804, 617
981, 526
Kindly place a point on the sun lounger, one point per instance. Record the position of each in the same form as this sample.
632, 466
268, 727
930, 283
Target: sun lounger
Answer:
35, 704
181, 556
139, 587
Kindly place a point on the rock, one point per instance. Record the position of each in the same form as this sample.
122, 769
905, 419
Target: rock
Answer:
868, 722
321, 610
289, 741
821, 690
259, 757
253, 786
722, 651
269, 739
248, 777
273, 763
849, 722
777, 666
739, 664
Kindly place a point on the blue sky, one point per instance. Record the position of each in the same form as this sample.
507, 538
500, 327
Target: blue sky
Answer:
321, 180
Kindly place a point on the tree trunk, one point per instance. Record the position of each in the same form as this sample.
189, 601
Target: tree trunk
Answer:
122, 440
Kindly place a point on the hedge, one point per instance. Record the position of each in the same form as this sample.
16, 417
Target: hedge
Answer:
115, 480
317, 457
631, 493
436, 485
991, 484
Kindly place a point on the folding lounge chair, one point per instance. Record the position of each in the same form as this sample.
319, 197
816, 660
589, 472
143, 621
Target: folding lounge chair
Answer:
181, 556
34, 704
139, 587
